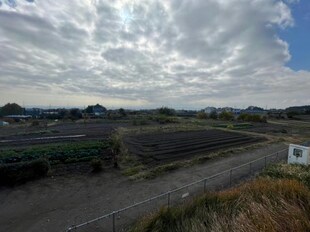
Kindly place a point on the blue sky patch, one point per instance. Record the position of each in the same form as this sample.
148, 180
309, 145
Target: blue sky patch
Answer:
298, 37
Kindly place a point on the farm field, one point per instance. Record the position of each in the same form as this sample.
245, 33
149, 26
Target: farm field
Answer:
166, 147
57, 202
256, 127
90, 194
28, 136
67, 148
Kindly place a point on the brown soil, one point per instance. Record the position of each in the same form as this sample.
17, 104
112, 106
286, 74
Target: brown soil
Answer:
165, 147
30, 135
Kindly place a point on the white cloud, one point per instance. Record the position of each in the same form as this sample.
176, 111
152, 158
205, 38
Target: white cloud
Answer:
149, 53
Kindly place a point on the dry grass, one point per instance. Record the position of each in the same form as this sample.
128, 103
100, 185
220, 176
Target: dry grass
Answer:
287, 171
260, 205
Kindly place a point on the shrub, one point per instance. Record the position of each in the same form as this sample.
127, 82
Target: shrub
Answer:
163, 119
96, 164
230, 126
15, 173
213, 115
226, 116
166, 111
202, 115
252, 118
35, 123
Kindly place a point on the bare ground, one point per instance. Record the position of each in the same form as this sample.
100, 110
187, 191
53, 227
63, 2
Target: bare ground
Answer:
54, 203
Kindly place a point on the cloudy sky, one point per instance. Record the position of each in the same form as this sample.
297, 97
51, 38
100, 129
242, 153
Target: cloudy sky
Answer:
145, 54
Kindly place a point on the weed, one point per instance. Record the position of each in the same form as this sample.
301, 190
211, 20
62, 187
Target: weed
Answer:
96, 164
260, 205
131, 171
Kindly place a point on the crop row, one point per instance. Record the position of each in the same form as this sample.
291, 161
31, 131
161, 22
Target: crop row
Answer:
56, 153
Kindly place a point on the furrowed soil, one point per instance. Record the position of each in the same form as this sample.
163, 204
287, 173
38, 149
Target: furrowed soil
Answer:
166, 147
28, 136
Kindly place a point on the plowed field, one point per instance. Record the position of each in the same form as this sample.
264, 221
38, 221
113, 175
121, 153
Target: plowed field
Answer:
159, 148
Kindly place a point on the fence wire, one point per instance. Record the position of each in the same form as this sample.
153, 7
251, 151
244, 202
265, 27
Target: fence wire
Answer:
121, 219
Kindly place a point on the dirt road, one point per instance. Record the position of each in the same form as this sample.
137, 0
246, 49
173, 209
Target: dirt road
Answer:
53, 204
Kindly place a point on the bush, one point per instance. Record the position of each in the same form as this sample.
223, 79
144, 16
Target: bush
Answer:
163, 119
226, 116
167, 111
202, 115
96, 164
252, 118
213, 115
35, 123
15, 173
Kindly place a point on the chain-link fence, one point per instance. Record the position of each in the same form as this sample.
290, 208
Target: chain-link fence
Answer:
121, 219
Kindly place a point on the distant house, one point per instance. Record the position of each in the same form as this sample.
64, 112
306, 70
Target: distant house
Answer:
99, 110
96, 110
34, 112
3, 123
254, 110
209, 109
236, 111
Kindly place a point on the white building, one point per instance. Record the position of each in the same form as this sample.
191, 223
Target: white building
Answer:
209, 109
3, 123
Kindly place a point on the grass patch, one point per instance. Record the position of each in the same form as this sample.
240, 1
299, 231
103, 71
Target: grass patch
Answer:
150, 129
289, 171
235, 126
39, 132
154, 172
260, 205
131, 171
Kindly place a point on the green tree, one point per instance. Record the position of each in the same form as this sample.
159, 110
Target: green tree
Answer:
122, 112
213, 115
252, 118
226, 116
10, 109
243, 117
75, 114
166, 111
202, 115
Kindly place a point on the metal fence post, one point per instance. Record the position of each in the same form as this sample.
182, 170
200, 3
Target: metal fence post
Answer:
204, 185
113, 221
168, 199
230, 177
250, 168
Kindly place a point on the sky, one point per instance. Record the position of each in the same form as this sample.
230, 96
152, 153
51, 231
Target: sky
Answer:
298, 37
146, 54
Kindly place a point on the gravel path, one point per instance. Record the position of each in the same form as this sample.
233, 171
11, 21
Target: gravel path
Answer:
53, 204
